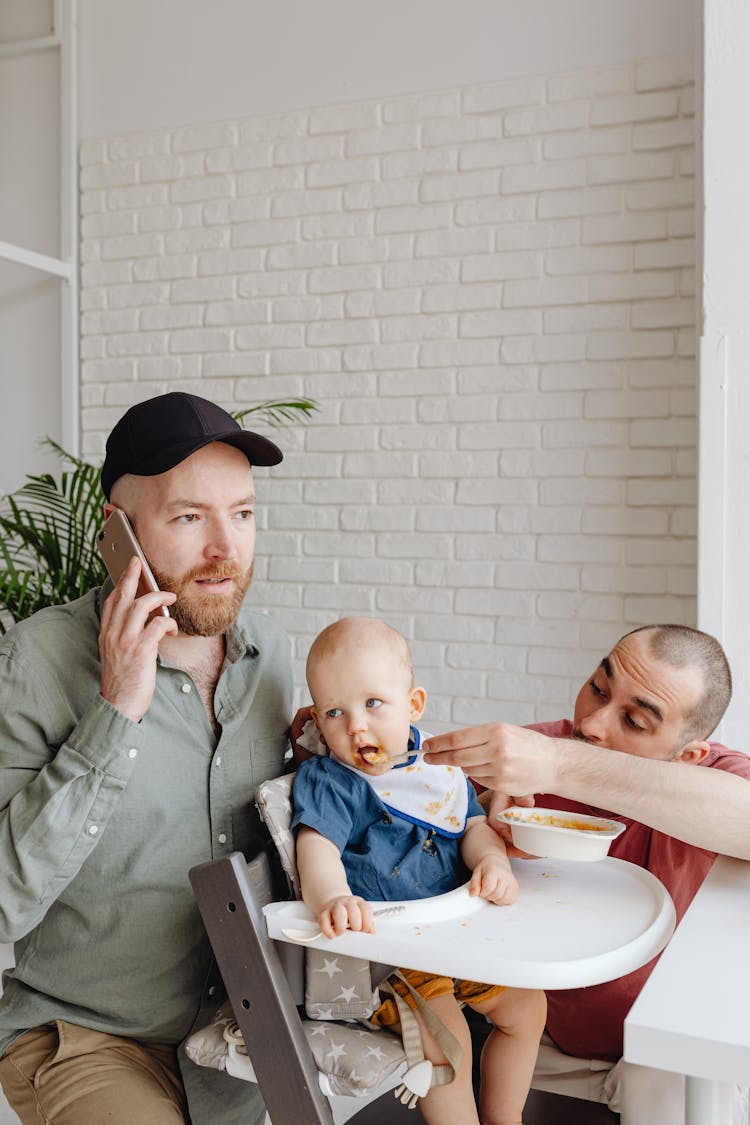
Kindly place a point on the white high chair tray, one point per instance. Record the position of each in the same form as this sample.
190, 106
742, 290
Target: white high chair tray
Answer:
573, 924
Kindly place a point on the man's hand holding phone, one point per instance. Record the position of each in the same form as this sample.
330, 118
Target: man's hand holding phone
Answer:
133, 624
117, 544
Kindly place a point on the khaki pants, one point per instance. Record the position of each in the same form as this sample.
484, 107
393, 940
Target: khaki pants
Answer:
62, 1074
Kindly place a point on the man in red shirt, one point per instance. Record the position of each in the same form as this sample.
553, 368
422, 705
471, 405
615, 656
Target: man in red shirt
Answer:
643, 716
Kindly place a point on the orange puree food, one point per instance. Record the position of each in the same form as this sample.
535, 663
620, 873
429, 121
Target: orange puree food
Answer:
375, 757
558, 822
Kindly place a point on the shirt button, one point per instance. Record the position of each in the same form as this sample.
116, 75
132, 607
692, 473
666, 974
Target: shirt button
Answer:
186, 689
212, 990
222, 838
132, 752
93, 829
217, 760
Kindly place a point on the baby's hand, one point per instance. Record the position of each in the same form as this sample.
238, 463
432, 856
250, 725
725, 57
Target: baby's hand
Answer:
493, 879
346, 912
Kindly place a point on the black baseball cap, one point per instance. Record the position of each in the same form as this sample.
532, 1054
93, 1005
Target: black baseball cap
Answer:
154, 436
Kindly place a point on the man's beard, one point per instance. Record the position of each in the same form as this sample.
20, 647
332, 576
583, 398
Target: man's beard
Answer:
200, 614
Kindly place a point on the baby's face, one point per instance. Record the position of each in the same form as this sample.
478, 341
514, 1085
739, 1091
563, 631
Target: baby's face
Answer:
364, 704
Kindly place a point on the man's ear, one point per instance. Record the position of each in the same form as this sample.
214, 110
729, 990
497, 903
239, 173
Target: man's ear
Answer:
693, 752
417, 701
108, 509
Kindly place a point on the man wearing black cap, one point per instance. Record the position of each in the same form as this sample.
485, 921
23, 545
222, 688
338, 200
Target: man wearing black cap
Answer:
131, 745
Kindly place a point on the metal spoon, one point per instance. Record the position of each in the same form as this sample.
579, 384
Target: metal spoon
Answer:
307, 935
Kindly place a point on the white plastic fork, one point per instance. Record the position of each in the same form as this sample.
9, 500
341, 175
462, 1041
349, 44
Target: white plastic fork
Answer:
307, 935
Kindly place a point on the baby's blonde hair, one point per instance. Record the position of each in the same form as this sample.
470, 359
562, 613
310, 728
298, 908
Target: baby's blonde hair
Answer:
362, 630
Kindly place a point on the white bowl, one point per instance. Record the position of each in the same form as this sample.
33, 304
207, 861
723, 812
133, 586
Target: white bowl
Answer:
552, 834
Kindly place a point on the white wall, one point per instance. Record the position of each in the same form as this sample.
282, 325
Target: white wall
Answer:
29, 216
490, 292
147, 65
724, 593
543, 522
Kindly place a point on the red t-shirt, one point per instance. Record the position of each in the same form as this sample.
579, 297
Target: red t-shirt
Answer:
588, 1022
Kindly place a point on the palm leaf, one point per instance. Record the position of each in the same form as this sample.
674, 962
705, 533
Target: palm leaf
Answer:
277, 412
48, 527
48, 554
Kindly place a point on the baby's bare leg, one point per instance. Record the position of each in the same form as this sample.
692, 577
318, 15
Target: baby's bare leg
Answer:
509, 1054
454, 1103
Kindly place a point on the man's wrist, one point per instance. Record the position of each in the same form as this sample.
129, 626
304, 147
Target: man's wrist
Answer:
562, 755
127, 710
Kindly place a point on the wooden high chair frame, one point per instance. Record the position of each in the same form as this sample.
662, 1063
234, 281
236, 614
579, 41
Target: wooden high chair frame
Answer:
231, 894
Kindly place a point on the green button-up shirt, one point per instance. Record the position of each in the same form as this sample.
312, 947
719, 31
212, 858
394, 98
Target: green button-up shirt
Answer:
101, 819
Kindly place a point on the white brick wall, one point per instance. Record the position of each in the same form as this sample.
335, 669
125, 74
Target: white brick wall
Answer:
490, 293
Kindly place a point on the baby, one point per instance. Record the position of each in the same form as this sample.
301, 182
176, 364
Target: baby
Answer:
371, 830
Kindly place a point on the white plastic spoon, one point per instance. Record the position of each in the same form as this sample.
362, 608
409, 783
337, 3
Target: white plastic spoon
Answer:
312, 935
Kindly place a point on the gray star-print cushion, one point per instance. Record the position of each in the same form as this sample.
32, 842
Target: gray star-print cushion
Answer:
336, 987
352, 1060
274, 801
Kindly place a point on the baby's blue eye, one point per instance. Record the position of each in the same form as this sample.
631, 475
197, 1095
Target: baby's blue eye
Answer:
373, 702
333, 713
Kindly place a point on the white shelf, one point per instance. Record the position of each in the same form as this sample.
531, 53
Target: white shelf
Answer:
43, 262
63, 37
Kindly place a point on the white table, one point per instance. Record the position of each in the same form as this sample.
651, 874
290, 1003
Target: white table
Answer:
693, 1016
573, 924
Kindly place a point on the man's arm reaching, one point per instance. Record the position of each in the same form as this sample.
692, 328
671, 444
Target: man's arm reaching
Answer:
708, 808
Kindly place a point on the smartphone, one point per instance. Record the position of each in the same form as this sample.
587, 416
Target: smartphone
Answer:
117, 544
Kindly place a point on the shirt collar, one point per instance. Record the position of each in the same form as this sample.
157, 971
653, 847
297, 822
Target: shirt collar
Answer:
241, 640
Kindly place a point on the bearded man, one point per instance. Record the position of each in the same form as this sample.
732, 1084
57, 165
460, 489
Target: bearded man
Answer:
131, 745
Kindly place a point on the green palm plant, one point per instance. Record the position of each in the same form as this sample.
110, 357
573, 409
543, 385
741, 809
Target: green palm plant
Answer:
48, 526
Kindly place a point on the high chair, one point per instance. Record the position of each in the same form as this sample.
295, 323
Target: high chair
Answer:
264, 993
309, 1070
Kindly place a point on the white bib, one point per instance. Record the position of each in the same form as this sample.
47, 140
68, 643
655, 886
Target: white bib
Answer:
433, 796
